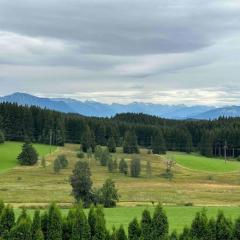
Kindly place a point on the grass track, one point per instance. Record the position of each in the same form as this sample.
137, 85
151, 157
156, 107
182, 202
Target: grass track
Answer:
10, 150
197, 162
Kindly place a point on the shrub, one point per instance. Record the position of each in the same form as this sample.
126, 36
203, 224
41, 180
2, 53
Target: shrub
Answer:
28, 156
80, 154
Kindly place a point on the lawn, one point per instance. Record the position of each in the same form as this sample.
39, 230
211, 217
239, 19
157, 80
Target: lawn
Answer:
178, 216
197, 162
10, 150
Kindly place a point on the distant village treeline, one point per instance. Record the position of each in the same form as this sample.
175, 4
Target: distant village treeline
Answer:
211, 138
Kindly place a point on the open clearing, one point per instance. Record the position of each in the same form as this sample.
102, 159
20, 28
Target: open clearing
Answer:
197, 162
10, 150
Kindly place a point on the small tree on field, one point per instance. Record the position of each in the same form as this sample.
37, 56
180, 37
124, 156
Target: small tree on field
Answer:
28, 156
98, 153
115, 165
135, 167
109, 194
105, 157
88, 140
123, 166
57, 166
63, 161
89, 153
158, 143
110, 165
111, 145
2, 138
81, 183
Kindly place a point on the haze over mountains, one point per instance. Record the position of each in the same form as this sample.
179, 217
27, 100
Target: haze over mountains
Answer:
92, 108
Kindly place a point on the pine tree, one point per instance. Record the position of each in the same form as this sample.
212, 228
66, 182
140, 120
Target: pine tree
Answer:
199, 227
2, 138
134, 230
224, 227
121, 235
110, 165
36, 230
236, 232
88, 140
211, 230
7, 220
54, 223
111, 145
92, 219
173, 236
81, 182
21, 231
158, 143
44, 224
146, 226
80, 227
135, 167
28, 156
159, 224
2, 205
123, 167
130, 143
100, 230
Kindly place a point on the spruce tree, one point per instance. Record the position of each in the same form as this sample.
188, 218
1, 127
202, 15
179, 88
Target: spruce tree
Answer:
54, 223
92, 219
199, 227
134, 230
224, 227
135, 167
159, 224
81, 182
111, 145
146, 225
130, 143
100, 230
158, 143
28, 156
211, 230
88, 140
80, 227
236, 232
36, 230
173, 236
110, 165
121, 235
21, 231
57, 166
44, 224
105, 157
7, 220
2, 205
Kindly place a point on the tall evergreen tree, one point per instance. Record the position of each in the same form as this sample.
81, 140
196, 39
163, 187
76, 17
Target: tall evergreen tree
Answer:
123, 166
158, 143
111, 145
134, 230
224, 227
159, 224
130, 143
28, 156
100, 230
236, 232
121, 235
21, 231
135, 167
2, 138
88, 140
7, 220
92, 220
146, 226
36, 230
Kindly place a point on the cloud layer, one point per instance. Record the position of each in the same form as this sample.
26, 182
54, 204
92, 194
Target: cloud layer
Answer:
184, 51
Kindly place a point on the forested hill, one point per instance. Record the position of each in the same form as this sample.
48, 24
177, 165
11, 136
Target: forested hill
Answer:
36, 124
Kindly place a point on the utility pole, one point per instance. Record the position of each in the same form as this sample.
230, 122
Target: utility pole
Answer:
225, 151
50, 140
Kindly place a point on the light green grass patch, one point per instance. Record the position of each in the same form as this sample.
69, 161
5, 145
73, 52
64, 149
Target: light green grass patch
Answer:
10, 150
197, 162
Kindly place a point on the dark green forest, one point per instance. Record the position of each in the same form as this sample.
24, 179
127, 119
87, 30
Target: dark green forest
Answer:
210, 138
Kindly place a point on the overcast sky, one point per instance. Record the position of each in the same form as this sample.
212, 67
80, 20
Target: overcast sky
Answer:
161, 51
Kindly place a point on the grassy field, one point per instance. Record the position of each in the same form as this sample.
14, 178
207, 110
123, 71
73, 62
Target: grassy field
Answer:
10, 150
201, 163
38, 186
178, 216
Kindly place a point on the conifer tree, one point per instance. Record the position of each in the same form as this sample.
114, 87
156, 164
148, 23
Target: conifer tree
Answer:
2, 138
7, 220
110, 165
105, 157
211, 229
158, 143
173, 236
236, 232
57, 166
88, 140
224, 227
98, 153
159, 224
54, 223
146, 225
44, 224
100, 230
2, 205
28, 156
130, 143
92, 219
80, 227
134, 230
21, 231
111, 145
36, 230
121, 235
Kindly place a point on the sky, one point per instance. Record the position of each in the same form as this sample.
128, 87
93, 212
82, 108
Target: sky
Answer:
158, 51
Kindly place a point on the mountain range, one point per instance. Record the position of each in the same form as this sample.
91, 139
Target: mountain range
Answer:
93, 108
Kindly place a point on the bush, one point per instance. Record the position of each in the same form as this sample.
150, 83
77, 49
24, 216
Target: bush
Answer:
80, 155
63, 161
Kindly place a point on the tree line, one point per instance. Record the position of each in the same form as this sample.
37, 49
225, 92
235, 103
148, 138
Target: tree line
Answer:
78, 224
129, 130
